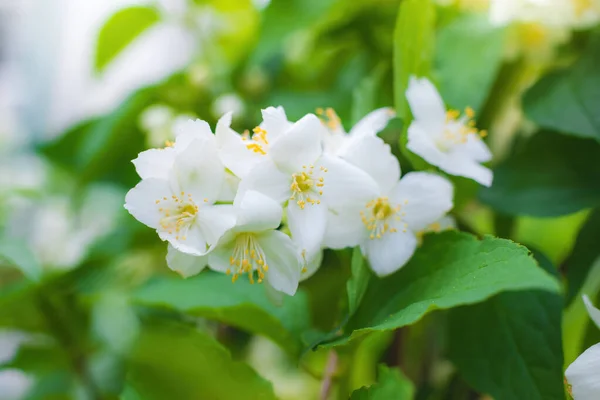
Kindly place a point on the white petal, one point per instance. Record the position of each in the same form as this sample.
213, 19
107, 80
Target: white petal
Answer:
344, 229
457, 164
300, 145
155, 163
426, 104
275, 122
282, 258
391, 252
307, 226
268, 180
346, 186
422, 143
141, 200
220, 258
184, 264
188, 131
190, 239
214, 221
582, 375
423, 197
593, 312
374, 156
229, 188
373, 123
310, 265
475, 149
232, 149
199, 171
257, 212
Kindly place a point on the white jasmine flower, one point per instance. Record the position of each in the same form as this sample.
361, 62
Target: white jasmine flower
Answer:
443, 138
230, 102
240, 153
157, 163
549, 13
253, 247
582, 374
178, 190
386, 226
335, 138
297, 171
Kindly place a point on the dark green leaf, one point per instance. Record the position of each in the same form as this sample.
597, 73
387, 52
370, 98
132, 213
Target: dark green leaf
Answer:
391, 384
243, 305
568, 100
463, 47
581, 259
120, 30
551, 175
510, 347
178, 362
449, 270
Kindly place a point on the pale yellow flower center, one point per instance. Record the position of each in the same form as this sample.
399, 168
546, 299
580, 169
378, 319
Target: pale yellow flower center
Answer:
178, 212
259, 139
378, 216
307, 186
247, 257
457, 132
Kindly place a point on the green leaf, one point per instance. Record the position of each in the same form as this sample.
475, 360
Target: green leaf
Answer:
364, 96
413, 48
568, 100
551, 175
120, 30
212, 295
449, 270
358, 282
392, 384
463, 47
19, 255
178, 362
583, 255
510, 347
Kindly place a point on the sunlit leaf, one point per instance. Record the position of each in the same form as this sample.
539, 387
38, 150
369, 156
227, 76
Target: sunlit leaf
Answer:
449, 270
120, 30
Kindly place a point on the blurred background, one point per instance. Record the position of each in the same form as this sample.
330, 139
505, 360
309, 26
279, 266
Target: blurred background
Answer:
86, 85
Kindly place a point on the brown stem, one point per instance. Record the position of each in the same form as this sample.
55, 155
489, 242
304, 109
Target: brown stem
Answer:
332, 361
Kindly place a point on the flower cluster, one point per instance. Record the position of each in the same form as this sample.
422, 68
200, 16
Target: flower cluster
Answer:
266, 203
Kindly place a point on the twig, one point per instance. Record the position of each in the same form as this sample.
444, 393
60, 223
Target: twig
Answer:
332, 361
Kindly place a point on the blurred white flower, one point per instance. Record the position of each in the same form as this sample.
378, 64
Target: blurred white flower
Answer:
226, 103
297, 171
444, 138
336, 140
386, 226
178, 190
253, 246
549, 13
159, 122
582, 374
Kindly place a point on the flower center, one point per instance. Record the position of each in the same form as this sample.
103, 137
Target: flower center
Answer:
458, 129
259, 140
247, 257
306, 184
178, 213
380, 215
329, 118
